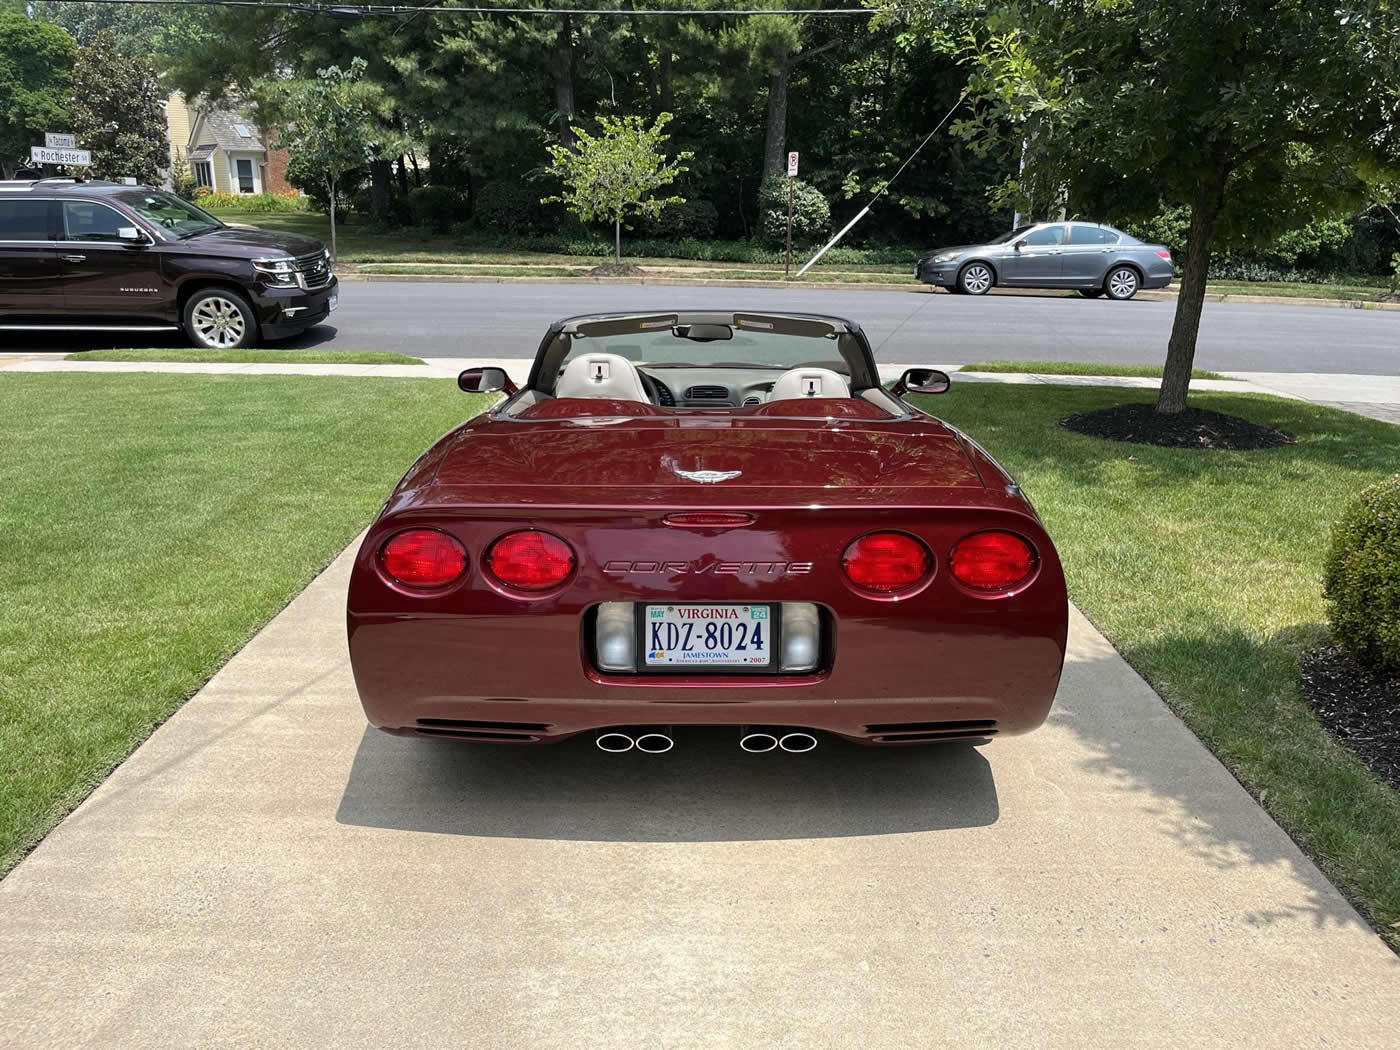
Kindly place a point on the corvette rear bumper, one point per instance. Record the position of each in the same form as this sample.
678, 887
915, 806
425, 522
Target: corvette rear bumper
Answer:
888, 683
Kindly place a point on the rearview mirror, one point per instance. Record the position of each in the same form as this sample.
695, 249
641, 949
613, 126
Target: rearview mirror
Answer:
485, 381
922, 381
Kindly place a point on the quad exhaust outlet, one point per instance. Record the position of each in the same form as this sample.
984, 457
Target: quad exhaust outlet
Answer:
654, 740
758, 740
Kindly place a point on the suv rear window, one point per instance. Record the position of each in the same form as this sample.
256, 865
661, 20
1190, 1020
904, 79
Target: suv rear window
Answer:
29, 220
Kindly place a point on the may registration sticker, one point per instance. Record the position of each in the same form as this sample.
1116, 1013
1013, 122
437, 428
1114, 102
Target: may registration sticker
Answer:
701, 636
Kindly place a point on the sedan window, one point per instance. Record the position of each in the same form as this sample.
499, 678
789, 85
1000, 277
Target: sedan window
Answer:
1046, 235
1092, 235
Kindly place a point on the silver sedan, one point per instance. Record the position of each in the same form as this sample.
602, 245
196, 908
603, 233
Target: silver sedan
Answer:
1087, 256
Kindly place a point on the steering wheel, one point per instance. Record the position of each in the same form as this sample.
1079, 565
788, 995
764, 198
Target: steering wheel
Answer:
653, 388
169, 222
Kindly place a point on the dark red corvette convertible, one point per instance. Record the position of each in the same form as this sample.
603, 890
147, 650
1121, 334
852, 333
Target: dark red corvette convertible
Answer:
707, 518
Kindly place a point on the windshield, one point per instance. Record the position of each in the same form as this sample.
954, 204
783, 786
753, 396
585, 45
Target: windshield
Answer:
169, 212
1006, 238
670, 348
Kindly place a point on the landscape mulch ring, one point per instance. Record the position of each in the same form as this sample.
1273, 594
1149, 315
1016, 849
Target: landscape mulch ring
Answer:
615, 269
1361, 708
1141, 424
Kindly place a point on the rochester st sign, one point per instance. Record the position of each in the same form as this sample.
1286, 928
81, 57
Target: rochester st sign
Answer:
79, 158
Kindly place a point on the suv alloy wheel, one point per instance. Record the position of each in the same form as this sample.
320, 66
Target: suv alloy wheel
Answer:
220, 319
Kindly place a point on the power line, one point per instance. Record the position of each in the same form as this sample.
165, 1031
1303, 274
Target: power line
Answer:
374, 10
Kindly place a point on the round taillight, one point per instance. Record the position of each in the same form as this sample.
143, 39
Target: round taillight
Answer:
423, 558
530, 561
886, 562
992, 561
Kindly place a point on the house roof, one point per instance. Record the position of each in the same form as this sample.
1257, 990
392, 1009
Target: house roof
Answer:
202, 152
230, 129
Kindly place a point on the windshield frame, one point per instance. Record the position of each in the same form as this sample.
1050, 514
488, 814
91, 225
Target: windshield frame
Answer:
1019, 231
134, 198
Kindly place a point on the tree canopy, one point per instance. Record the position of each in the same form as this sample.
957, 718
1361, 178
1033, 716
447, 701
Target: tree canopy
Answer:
36, 83
117, 112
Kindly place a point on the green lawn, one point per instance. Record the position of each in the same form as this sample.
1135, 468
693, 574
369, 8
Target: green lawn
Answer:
151, 524
1365, 289
1073, 368
243, 357
1204, 570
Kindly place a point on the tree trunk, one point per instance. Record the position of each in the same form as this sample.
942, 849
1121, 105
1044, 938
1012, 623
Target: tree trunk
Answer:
417, 172
617, 240
775, 144
564, 82
402, 173
381, 178
1191, 296
330, 182
668, 91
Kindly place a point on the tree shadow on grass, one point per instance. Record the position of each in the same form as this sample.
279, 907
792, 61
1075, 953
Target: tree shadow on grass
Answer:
1242, 694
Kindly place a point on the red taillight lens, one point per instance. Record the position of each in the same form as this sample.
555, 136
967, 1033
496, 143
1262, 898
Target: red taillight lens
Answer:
530, 561
886, 561
992, 561
1165, 254
423, 558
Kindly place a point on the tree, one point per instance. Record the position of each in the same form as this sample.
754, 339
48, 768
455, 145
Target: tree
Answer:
1258, 114
117, 112
614, 174
327, 123
36, 81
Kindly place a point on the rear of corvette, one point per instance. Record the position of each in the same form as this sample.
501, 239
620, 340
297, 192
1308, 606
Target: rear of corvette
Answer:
904, 590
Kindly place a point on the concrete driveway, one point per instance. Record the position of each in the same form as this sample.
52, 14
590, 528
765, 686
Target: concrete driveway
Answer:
266, 872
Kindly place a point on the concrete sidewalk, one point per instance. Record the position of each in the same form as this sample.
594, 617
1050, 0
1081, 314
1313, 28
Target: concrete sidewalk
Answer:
265, 871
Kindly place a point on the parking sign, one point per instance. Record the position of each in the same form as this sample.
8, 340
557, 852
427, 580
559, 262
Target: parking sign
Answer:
792, 165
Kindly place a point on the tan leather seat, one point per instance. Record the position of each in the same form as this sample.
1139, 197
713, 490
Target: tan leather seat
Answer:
808, 382
602, 376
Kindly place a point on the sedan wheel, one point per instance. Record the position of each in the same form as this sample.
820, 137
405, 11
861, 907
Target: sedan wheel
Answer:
1121, 283
220, 320
976, 279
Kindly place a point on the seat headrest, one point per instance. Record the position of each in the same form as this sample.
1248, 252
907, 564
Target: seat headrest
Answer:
602, 375
809, 382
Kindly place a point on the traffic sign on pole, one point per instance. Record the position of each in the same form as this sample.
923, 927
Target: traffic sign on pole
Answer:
792, 165
60, 140
73, 158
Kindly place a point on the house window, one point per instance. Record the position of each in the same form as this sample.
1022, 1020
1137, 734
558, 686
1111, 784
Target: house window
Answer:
245, 175
203, 174
243, 131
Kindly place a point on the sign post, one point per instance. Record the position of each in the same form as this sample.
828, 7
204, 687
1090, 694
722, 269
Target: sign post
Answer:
792, 174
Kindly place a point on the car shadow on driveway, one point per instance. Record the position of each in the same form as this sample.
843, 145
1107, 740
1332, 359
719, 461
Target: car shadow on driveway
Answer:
705, 790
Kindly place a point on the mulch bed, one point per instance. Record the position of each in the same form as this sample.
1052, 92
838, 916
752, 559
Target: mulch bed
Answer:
1192, 428
1359, 707
617, 270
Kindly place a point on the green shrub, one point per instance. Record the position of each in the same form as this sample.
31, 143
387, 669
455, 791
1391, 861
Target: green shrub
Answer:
252, 202
436, 207
514, 207
1361, 577
811, 214
686, 219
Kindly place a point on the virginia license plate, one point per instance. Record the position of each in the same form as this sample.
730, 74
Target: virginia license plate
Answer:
701, 636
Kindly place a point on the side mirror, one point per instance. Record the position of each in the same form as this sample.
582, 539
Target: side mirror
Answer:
485, 381
130, 235
922, 381
1020, 244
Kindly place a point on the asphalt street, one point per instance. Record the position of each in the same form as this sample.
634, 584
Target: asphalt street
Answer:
506, 320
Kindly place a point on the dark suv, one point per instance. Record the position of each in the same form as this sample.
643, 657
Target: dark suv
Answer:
105, 256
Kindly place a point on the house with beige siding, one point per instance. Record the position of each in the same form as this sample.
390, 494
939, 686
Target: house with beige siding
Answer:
225, 149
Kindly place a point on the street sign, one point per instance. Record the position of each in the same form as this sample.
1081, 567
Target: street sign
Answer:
74, 158
60, 140
792, 165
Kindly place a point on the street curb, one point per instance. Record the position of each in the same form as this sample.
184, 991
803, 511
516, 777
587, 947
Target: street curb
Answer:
849, 286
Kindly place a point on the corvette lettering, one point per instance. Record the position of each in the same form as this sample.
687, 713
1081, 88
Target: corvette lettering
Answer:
709, 568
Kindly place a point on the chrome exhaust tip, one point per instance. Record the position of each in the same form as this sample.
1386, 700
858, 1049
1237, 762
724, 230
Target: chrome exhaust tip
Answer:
615, 743
757, 741
655, 741
797, 743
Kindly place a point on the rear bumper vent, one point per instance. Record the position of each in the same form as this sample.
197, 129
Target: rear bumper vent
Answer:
470, 729
952, 729
707, 393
